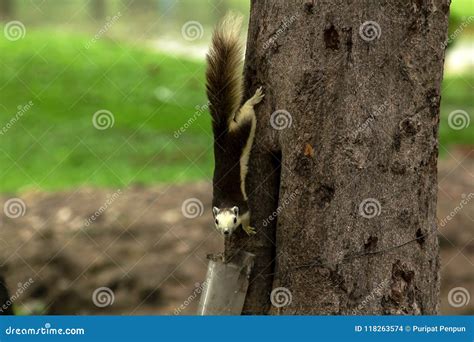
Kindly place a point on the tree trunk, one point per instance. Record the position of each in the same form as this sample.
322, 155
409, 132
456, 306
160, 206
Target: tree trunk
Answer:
342, 175
6, 9
5, 307
98, 9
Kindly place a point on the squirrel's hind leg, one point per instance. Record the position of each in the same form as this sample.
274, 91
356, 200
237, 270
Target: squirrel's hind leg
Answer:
246, 112
256, 98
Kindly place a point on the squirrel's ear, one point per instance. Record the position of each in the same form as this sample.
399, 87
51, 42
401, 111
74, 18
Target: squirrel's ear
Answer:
235, 210
215, 210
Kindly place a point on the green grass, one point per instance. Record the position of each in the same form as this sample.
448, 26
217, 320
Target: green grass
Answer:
461, 8
54, 145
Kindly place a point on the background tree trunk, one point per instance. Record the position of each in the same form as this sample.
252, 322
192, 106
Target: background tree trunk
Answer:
4, 298
6, 9
220, 8
142, 5
98, 9
353, 177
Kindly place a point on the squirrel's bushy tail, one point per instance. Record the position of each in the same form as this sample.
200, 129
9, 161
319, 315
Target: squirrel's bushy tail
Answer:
224, 72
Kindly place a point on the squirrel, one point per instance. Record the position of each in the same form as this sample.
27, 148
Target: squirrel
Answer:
233, 127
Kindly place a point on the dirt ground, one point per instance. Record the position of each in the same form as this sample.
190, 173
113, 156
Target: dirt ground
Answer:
152, 258
455, 186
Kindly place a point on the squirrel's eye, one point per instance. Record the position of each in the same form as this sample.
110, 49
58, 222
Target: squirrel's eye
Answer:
217, 221
235, 220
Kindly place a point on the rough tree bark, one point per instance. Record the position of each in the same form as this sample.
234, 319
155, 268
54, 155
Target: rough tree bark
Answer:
353, 179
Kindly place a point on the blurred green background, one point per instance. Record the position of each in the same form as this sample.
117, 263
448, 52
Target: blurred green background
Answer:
142, 62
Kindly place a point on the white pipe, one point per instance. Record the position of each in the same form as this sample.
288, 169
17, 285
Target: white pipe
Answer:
226, 285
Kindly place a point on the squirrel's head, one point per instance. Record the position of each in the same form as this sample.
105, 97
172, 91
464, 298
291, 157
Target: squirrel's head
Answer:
226, 219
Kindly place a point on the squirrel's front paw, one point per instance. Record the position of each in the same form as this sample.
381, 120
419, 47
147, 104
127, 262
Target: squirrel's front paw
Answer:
249, 230
258, 96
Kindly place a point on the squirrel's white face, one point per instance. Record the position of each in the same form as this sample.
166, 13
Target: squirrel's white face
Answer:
226, 220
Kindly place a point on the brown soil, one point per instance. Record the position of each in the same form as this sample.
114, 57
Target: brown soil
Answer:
141, 247
153, 258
